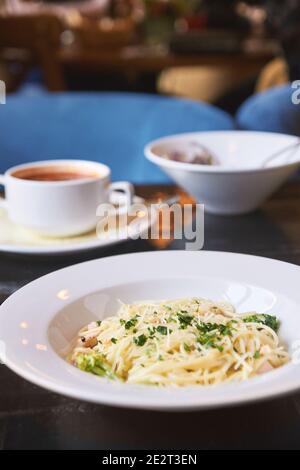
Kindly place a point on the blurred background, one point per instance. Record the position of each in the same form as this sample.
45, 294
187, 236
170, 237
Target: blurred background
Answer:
216, 51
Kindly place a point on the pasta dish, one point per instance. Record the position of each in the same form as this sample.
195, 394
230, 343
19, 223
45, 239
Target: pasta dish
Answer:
184, 342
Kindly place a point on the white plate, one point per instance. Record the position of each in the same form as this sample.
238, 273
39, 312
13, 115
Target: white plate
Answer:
38, 322
16, 239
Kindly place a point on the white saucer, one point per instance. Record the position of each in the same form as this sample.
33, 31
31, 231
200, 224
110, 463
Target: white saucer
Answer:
18, 240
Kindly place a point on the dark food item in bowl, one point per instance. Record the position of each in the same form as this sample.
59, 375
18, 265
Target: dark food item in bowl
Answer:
201, 156
196, 159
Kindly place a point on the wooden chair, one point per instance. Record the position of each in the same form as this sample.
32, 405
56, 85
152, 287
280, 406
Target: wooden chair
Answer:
37, 35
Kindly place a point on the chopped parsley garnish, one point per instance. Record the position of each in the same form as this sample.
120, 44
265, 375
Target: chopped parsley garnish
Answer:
206, 340
205, 328
184, 319
268, 320
98, 323
152, 331
114, 340
220, 329
186, 347
211, 333
226, 330
256, 355
163, 330
129, 323
209, 342
140, 340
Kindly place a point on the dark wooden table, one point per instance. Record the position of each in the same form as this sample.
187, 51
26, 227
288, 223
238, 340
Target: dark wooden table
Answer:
139, 61
147, 59
32, 418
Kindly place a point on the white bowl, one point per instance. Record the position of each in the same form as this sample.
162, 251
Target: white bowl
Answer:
38, 323
239, 184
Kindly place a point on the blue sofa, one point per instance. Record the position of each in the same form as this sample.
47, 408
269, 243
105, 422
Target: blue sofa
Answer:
108, 127
271, 111
114, 127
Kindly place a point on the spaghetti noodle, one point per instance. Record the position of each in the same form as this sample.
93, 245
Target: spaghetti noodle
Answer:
180, 343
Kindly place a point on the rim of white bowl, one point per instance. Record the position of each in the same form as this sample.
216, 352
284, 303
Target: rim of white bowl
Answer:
197, 168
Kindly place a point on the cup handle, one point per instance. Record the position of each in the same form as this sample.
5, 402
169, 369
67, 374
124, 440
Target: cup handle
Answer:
3, 202
124, 199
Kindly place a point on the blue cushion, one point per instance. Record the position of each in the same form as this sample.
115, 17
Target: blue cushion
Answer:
108, 127
271, 111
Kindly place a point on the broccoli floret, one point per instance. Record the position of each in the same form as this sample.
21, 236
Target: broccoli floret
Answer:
268, 320
95, 364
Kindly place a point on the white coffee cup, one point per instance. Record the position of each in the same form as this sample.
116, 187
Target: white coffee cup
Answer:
60, 208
